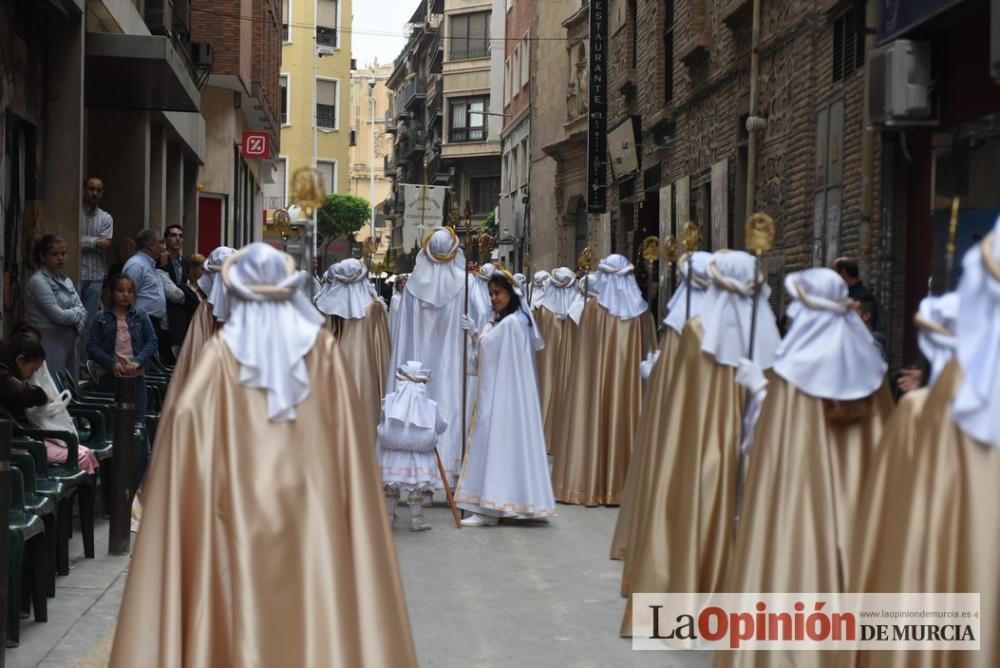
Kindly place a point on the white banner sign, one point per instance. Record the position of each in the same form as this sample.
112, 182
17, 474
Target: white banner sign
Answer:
423, 210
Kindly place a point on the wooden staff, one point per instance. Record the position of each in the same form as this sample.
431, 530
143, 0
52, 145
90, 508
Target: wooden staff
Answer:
447, 491
669, 254
650, 252
760, 239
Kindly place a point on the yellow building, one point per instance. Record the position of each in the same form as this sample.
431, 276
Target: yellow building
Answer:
368, 84
315, 95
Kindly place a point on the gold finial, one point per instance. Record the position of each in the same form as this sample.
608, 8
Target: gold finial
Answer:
691, 237
308, 190
282, 222
486, 245
586, 259
650, 249
454, 217
527, 264
670, 249
368, 249
760, 233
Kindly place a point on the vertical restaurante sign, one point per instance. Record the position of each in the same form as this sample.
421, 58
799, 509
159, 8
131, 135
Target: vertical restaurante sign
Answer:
597, 133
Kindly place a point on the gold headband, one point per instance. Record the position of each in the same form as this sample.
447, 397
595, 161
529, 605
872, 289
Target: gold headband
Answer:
929, 325
269, 292
441, 258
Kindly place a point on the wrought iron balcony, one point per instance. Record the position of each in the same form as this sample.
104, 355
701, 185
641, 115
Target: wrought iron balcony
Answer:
413, 90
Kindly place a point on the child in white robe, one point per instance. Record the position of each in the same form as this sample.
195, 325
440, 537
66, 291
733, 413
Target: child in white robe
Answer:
408, 431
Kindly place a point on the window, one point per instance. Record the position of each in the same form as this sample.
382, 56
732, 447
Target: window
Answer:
524, 61
283, 84
286, 10
505, 172
848, 43
470, 36
524, 161
668, 52
507, 88
515, 171
515, 73
326, 104
328, 170
485, 193
326, 23
468, 119
275, 193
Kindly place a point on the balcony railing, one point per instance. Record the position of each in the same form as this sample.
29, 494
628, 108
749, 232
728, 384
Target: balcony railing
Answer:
326, 116
463, 51
412, 90
167, 17
467, 134
390, 121
411, 145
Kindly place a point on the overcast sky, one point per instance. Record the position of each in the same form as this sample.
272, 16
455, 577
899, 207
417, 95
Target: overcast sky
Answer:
379, 28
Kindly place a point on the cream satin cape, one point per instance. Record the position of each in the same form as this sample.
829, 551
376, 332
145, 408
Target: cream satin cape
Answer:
366, 346
203, 327
939, 530
555, 367
264, 543
602, 407
682, 537
803, 483
647, 461
506, 471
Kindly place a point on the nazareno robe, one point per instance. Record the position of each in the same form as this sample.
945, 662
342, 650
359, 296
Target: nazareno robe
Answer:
264, 543
555, 367
598, 425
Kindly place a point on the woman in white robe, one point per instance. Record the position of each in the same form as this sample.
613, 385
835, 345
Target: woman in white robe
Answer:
506, 472
395, 304
479, 295
536, 291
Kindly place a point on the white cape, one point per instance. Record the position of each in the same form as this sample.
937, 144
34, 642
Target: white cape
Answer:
506, 473
433, 336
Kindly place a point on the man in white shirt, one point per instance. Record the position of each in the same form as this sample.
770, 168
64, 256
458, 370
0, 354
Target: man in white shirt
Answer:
96, 232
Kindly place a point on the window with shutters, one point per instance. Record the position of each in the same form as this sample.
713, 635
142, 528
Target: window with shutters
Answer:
328, 170
848, 43
286, 13
467, 119
275, 193
326, 23
326, 104
283, 85
524, 61
485, 193
470, 36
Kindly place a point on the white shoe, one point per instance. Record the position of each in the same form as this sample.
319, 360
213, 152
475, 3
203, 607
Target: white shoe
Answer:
477, 520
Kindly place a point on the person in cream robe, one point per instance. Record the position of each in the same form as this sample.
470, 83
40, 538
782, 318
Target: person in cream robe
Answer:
650, 458
430, 331
358, 320
945, 535
557, 314
264, 540
603, 398
815, 437
506, 474
686, 546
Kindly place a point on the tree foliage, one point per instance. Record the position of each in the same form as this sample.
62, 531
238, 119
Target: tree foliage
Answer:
342, 216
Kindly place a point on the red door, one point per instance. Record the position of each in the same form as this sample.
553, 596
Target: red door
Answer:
209, 224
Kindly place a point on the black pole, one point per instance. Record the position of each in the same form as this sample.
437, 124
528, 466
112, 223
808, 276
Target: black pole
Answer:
119, 537
753, 306
5, 436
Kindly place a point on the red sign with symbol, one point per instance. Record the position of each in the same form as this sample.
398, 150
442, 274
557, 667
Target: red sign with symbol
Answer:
256, 145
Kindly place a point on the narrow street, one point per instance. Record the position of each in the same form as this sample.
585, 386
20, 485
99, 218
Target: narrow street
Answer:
513, 595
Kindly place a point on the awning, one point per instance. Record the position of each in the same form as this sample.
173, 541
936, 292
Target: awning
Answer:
137, 72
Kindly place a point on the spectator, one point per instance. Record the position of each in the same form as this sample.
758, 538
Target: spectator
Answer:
179, 309
96, 232
53, 306
20, 358
122, 340
868, 310
55, 449
141, 268
848, 269
196, 264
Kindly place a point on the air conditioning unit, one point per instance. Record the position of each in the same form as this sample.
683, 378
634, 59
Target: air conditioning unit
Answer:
202, 54
899, 84
353, 138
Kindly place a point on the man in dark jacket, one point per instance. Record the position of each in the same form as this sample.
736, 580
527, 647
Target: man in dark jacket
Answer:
175, 265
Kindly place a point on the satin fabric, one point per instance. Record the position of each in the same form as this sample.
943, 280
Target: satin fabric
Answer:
940, 531
646, 462
604, 396
506, 472
800, 502
203, 326
683, 538
366, 347
263, 543
555, 368
433, 336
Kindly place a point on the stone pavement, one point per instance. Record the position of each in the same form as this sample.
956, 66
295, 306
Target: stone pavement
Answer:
516, 595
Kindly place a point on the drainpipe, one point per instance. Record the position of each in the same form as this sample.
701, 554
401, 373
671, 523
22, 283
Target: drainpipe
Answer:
867, 149
755, 124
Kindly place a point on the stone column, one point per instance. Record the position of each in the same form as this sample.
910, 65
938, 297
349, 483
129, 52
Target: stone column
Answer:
157, 178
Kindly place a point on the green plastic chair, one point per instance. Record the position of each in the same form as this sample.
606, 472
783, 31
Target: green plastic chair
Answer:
60, 494
26, 536
43, 507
